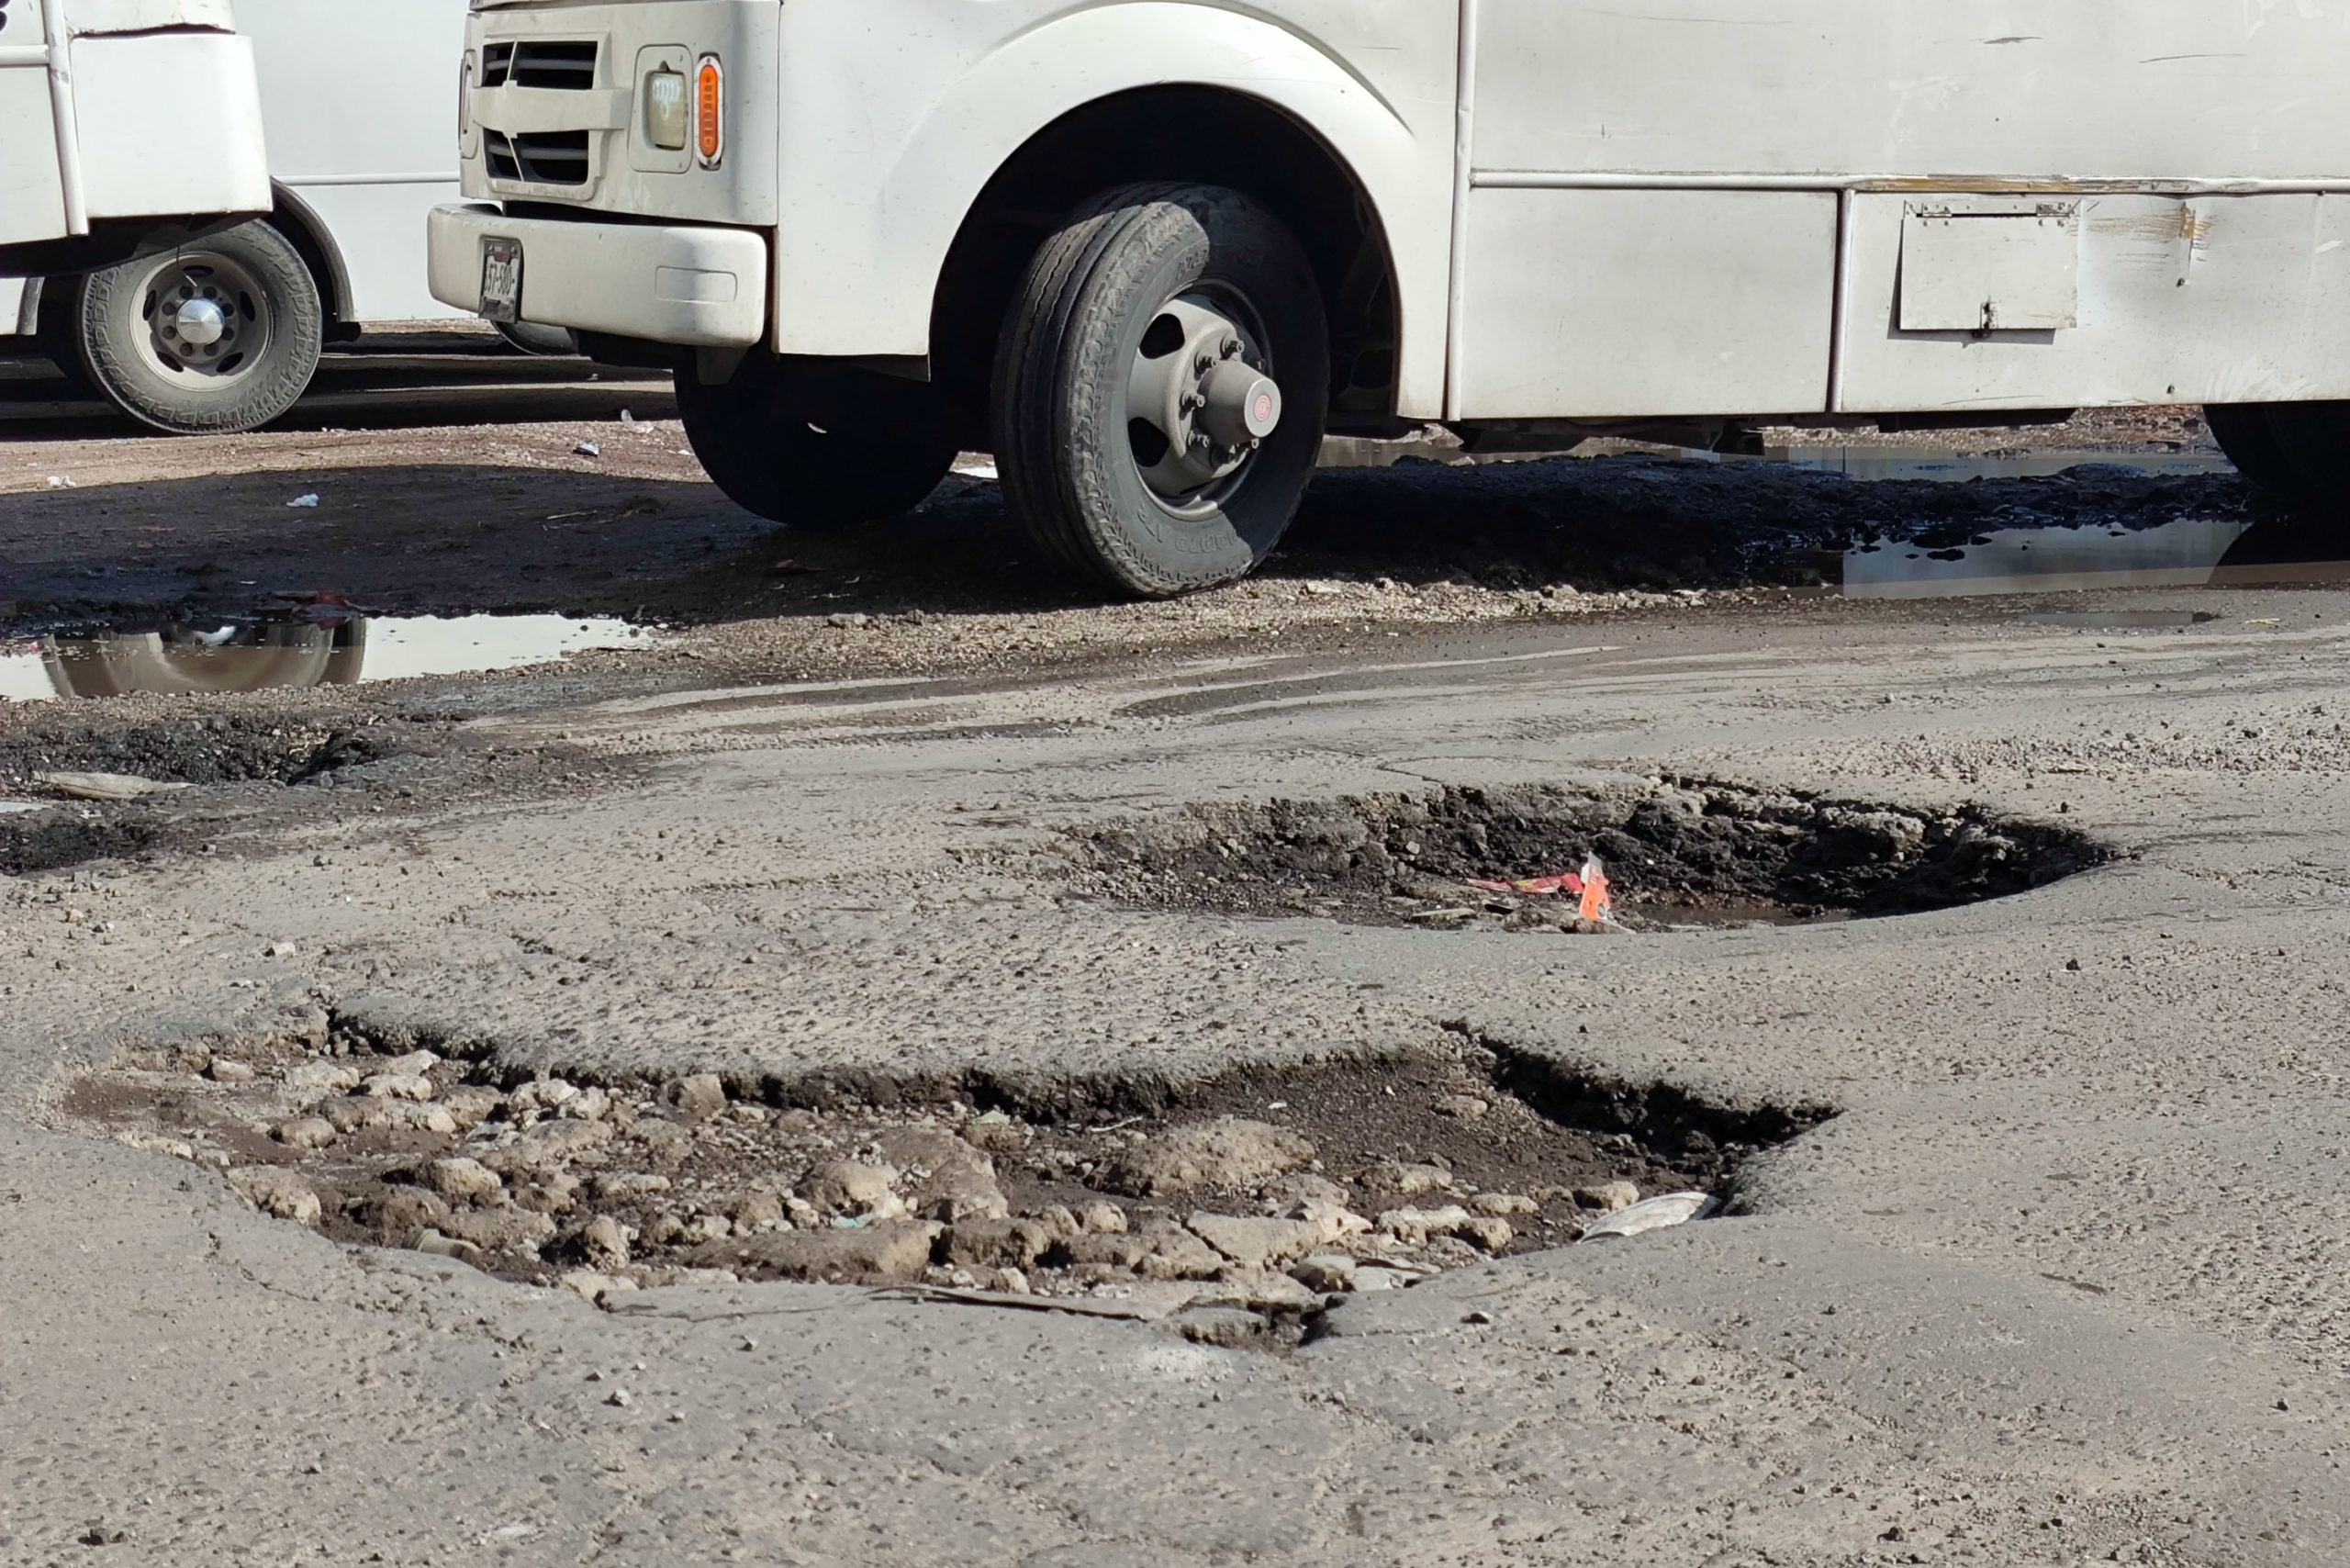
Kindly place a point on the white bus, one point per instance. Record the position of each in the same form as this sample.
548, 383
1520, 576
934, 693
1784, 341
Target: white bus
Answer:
91, 92
358, 99
1145, 251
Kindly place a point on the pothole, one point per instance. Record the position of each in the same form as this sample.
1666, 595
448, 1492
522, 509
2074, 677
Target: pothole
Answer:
1235, 1210
1676, 852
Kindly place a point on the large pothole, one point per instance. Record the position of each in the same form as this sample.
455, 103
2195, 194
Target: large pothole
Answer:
1674, 851
1238, 1209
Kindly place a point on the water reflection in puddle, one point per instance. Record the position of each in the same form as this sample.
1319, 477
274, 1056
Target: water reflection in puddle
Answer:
2188, 553
1880, 463
317, 645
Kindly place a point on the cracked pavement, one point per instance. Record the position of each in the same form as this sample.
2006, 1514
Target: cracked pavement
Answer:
2059, 1285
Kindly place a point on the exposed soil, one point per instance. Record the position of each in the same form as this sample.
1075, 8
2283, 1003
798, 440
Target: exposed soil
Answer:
1681, 851
1262, 1191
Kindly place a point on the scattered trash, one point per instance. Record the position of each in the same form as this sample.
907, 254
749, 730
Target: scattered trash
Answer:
588, 449
1596, 903
308, 499
993, 1118
1653, 1213
61, 482
104, 786
978, 468
1534, 887
628, 419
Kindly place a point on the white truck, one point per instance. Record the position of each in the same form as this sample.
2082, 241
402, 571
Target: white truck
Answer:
355, 98
1148, 251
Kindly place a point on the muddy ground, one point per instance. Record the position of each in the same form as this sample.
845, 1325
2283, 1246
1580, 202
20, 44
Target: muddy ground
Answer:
827, 1091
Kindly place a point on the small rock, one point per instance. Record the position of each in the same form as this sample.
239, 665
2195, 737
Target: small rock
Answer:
588, 1105
440, 1246
759, 1212
314, 1078
1465, 1107
891, 1250
1253, 1243
1177, 1254
1056, 1219
545, 1094
1371, 1275
1417, 1227
280, 950
595, 1287
706, 1227
550, 1192
1504, 1204
1607, 1196
664, 1142
1412, 1180
304, 1132
548, 1146
224, 1070
415, 1062
1333, 1221
1228, 1152
618, 1396
628, 1183
397, 1214
1324, 1272
1010, 1281
955, 1180
156, 1143
703, 1094
502, 1229
995, 1243
1289, 1194
849, 1186
1261, 1290
1229, 1328
605, 1240
997, 1137
850, 619
398, 1086
471, 1104
462, 1181
1104, 1219
275, 1190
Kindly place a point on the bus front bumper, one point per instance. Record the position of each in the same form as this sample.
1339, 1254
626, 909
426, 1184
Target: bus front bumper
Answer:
700, 286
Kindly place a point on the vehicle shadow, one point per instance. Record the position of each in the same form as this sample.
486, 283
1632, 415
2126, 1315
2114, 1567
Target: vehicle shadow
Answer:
429, 538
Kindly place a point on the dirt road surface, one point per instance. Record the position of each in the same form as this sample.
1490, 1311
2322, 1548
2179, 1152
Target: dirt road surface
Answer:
2034, 1237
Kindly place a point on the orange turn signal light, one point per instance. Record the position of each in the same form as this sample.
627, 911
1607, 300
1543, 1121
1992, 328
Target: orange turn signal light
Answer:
710, 106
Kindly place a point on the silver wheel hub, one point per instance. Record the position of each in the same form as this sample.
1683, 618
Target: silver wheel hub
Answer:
207, 321
1200, 398
201, 322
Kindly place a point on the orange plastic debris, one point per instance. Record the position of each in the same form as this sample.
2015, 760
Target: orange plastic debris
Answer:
1596, 904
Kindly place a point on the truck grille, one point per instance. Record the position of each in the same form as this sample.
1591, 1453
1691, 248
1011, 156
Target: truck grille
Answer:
539, 157
562, 66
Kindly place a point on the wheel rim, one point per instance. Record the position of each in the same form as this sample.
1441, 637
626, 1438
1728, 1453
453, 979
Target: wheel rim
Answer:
206, 320
1201, 398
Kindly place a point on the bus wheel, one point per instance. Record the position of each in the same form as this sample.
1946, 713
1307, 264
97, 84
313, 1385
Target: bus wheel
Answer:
218, 336
1160, 387
2248, 436
817, 446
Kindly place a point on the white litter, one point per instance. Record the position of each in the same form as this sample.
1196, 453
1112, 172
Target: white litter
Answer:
628, 419
309, 500
61, 482
104, 786
978, 468
588, 449
1655, 1214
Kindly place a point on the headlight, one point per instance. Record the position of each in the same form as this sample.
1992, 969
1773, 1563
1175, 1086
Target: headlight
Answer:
668, 118
710, 111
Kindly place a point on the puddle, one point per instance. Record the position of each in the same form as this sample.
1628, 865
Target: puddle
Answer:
1879, 463
319, 644
1254, 1199
2186, 552
1681, 852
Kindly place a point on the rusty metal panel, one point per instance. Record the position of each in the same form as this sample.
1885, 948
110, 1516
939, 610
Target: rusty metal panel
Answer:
1628, 303
1990, 267
2222, 298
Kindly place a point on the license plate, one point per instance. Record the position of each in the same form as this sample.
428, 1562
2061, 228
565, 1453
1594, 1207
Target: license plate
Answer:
501, 279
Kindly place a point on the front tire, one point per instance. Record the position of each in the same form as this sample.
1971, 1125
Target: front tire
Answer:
817, 446
2250, 438
1160, 387
219, 336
